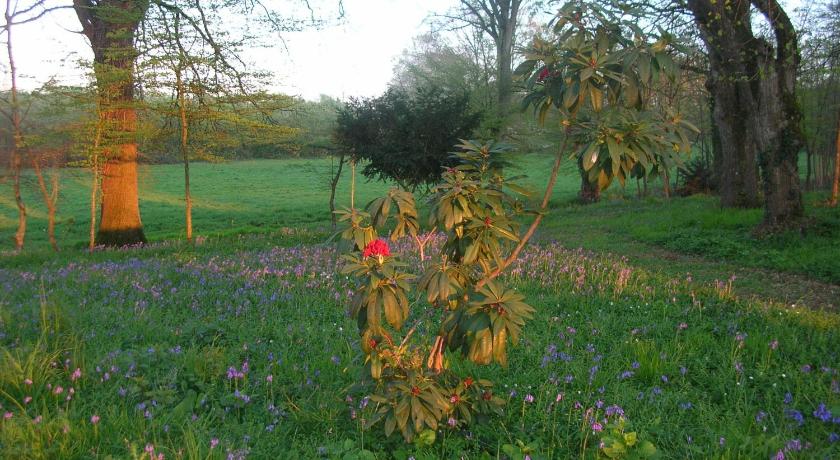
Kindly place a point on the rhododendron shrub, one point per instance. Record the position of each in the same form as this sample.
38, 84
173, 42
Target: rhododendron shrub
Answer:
458, 296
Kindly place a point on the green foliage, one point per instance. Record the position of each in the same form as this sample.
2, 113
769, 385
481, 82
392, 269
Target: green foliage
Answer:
406, 137
596, 69
698, 176
618, 443
233, 315
480, 316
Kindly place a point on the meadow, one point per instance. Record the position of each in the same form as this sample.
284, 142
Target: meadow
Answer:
241, 346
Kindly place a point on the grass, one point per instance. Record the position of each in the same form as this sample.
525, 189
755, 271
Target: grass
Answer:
260, 196
155, 332
174, 344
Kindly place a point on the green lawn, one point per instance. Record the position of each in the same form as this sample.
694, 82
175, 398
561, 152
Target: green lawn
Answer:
241, 345
676, 236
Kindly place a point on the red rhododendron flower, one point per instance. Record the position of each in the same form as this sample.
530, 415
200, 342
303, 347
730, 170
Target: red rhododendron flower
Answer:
544, 73
376, 248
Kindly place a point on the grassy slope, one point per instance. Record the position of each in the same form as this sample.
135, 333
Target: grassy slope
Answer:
680, 236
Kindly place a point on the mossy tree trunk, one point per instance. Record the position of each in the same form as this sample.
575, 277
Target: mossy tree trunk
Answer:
753, 83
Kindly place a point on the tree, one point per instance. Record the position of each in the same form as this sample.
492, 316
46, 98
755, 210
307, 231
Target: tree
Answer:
111, 27
498, 19
462, 65
205, 90
753, 83
475, 208
14, 115
819, 88
596, 70
406, 137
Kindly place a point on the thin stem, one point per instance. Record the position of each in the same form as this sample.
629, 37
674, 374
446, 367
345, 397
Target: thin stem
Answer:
536, 222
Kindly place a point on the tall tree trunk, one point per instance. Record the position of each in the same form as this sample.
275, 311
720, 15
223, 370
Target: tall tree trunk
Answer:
780, 137
182, 114
94, 190
755, 105
333, 186
95, 178
110, 26
835, 184
17, 134
504, 82
726, 31
737, 156
498, 19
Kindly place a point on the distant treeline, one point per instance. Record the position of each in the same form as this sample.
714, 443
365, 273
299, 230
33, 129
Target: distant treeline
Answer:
63, 121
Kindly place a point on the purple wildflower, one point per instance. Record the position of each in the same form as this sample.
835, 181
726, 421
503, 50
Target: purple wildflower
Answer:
795, 415
794, 445
614, 410
822, 413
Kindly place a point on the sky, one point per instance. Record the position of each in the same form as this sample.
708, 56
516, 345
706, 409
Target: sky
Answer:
353, 58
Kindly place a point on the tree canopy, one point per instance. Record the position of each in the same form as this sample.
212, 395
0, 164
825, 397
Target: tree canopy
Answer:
406, 136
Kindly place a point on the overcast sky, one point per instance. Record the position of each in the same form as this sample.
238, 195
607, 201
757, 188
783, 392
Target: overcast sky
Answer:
354, 58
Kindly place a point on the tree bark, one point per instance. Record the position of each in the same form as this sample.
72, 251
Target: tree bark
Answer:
726, 31
182, 115
499, 20
50, 199
333, 186
17, 134
110, 26
780, 136
755, 106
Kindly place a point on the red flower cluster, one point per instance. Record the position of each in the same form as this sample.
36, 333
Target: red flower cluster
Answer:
544, 73
376, 248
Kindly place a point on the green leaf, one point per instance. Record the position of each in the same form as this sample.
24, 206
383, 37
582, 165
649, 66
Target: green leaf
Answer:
591, 156
646, 449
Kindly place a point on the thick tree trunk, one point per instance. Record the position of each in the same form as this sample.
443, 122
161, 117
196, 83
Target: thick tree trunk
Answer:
504, 83
737, 156
780, 137
498, 19
756, 112
110, 26
119, 220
